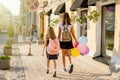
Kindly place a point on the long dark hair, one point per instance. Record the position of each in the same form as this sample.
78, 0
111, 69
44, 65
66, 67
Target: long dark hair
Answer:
66, 17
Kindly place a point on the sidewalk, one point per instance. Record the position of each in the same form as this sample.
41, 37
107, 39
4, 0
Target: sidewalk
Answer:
85, 68
16, 72
20, 38
25, 67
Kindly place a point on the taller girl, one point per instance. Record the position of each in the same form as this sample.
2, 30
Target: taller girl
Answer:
65, 38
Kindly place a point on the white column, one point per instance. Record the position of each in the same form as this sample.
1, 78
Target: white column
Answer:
77, 25
93, 35
116, 49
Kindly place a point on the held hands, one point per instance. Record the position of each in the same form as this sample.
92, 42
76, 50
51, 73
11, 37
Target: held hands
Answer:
77, 42
42, 53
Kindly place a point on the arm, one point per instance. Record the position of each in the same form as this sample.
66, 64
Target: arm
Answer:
73, 34
45, 43
59, 32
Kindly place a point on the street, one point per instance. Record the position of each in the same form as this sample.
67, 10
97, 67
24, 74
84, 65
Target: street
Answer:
3, 38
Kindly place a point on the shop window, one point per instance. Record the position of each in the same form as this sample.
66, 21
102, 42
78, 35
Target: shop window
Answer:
108, 25
83, 29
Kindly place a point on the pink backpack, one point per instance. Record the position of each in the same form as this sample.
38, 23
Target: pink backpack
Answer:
53, 46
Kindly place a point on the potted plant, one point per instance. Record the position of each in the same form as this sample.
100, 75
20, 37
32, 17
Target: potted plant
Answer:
7, 49
54, 22
94, 16
4, 62
9, 43
79, 19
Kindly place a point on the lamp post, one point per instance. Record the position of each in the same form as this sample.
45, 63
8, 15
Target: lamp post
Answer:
29, 54
32, 6
30, 42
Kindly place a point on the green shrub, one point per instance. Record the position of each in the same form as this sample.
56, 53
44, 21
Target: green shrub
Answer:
54, 22
9, 43
79, 19
94, 16
4, 57
8, 46
10, 32
110, 46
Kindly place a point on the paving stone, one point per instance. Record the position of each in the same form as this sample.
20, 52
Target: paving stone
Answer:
25, 67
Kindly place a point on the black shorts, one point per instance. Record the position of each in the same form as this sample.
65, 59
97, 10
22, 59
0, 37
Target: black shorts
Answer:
66, 45
51, 57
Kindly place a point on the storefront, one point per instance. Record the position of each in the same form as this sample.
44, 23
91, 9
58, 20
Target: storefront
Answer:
107, 29
102, 35
80, 7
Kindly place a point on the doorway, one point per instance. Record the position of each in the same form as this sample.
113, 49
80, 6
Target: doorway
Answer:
107, 30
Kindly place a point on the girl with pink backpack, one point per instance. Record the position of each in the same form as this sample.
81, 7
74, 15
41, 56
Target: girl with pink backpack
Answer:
52, 47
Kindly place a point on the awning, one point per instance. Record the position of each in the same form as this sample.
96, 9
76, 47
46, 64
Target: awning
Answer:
54, 4
60, 9
49, 12
79, 4
92, 2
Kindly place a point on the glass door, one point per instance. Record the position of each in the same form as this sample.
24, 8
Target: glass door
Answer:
108, 25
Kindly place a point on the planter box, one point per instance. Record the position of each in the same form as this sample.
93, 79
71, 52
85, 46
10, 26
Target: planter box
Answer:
4, 64
7, 51
10, 40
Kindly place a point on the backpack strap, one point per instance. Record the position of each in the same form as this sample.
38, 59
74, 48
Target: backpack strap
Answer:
65, 27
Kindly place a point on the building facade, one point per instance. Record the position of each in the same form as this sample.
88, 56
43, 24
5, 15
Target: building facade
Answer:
104, 34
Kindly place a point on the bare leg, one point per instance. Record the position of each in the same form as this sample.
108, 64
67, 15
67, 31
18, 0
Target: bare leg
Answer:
63, 58
54, 62
48, 64
68, 54
69, 58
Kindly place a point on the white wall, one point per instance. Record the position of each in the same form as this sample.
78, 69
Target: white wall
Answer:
77, 24
116, 50
94, 35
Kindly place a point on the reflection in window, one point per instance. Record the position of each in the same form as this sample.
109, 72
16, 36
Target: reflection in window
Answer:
84, 24
109, 26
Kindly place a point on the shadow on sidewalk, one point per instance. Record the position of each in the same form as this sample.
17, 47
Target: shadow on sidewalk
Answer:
18, 69
101, 60
2, 78
82, 76
19, 55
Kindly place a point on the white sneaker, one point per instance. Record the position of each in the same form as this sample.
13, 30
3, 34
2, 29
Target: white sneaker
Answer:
64, 69
68, 67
